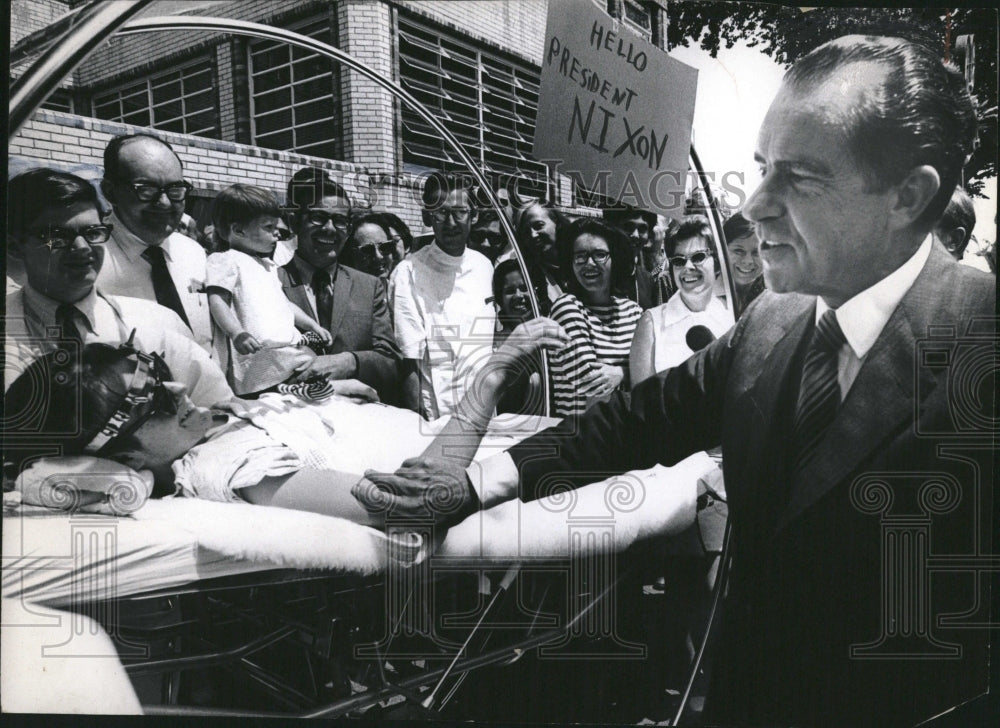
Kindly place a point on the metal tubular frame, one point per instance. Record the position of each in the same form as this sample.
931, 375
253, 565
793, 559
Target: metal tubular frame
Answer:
102, 20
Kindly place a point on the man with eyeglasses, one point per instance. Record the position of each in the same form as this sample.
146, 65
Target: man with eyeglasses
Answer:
348, 303
647, 289
147, 255
442, 302
55, 230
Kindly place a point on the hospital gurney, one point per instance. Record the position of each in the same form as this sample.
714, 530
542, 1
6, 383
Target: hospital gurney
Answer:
346, 627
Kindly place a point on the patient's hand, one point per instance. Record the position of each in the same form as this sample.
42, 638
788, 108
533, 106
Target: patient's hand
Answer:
331, 366
354, 389
531, 336
433, 488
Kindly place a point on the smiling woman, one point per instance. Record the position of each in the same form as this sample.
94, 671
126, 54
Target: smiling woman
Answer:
694, 316
598, 318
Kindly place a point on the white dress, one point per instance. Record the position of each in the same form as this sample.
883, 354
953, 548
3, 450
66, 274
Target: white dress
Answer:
259, 304
672, 321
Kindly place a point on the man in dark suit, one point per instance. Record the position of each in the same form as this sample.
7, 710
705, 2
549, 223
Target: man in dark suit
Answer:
854, 403
350, 304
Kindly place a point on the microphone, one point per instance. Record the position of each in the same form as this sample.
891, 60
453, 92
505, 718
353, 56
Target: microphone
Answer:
698, 337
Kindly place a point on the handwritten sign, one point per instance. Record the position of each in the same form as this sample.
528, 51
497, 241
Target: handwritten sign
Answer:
614, 111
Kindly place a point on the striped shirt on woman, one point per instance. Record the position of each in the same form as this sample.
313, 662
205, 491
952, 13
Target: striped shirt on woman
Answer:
598, 335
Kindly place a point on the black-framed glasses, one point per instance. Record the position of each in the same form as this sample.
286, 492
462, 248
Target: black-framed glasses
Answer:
58, 238
478, 237
386, 249
175, 191
458, 214
697, 257
600, 257
282, 233
320, 218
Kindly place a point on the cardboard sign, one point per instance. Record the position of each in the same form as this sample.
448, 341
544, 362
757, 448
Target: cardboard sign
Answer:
614, 111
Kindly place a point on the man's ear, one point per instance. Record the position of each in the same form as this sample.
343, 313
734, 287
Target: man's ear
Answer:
913, 194
108, 190
954, 239
426, 217
473, 216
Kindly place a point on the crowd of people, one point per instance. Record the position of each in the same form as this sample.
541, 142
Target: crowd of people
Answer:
316, 295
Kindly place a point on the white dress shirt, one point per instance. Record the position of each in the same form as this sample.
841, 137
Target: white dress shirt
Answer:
30, 322
861, 318
126, 273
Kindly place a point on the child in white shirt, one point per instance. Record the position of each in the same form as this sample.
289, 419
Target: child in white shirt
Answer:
245, 295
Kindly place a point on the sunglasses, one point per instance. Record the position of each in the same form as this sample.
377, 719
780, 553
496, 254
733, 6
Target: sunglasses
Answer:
175, 191
386, 249
320, 218
283, 233
57, 238
698, 257
478, 237
146, 397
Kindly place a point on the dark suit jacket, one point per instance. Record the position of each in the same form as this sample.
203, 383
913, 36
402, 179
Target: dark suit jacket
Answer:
359, 323
913, 438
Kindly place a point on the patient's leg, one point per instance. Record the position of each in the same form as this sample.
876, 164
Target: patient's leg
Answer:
320, 491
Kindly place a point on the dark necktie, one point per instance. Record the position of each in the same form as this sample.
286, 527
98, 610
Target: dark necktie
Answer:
819, 392
324, 296
66, 314
163, 284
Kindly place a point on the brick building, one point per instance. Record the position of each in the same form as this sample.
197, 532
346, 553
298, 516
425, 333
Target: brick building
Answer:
241, 109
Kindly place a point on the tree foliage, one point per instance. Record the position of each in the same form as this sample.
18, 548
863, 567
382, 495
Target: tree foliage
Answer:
787, 33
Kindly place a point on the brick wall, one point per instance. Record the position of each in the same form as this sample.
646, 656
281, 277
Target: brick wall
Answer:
210, 165
27, 16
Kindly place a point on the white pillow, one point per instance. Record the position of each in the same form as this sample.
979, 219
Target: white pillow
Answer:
84, 483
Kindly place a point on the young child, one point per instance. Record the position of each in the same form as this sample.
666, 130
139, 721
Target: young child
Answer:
245, 295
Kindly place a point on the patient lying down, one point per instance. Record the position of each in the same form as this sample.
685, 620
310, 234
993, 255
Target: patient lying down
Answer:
120, 404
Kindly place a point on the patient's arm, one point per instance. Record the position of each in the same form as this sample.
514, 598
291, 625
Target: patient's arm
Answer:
321, 491
435, 483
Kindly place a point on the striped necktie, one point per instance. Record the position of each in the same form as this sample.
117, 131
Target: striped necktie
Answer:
819, 392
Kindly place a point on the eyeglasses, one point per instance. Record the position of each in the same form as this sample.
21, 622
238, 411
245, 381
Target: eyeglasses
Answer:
320, 218
600, 257
478, 237
697, 257
386, 249
282, 233
459, 214
58, 238
175, 191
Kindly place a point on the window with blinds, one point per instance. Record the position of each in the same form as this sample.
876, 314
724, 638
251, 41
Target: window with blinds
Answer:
295, 94
487, 100
181, 100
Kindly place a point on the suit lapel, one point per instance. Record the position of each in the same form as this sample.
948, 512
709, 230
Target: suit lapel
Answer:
758, 410
882, 399
341, 300
295, 289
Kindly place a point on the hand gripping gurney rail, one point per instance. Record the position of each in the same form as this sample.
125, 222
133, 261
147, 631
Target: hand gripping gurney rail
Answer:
241, 580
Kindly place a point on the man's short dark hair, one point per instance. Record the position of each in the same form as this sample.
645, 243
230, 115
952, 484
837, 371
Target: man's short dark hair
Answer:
439, 185
922, 114
310, 185
30, 194
112, 153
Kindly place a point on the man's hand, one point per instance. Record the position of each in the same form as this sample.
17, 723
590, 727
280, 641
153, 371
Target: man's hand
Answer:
426, 487
245, 343
331, 366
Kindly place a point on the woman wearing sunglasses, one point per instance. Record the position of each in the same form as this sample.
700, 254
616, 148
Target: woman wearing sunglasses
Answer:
371, 247
694, 316
595, 313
